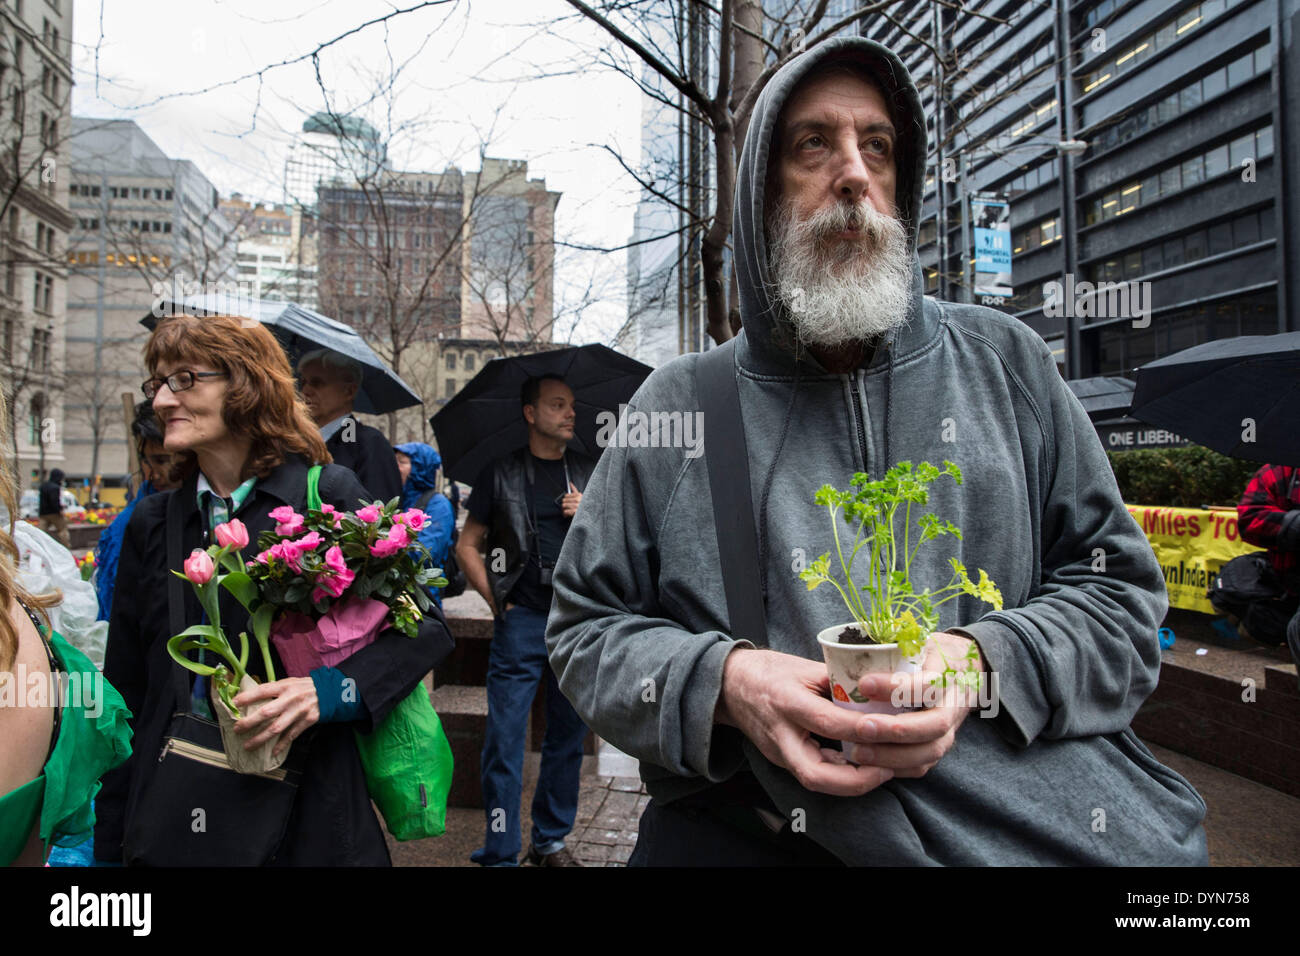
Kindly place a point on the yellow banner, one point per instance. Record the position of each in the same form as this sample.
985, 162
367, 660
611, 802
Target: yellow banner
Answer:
1191, 545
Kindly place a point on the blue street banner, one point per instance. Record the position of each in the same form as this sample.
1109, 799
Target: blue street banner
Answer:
991, 215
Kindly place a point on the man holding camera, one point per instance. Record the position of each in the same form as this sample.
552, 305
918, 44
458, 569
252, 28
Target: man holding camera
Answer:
519, 512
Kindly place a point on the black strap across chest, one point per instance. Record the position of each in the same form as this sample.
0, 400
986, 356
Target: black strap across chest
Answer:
56, 672
727, 458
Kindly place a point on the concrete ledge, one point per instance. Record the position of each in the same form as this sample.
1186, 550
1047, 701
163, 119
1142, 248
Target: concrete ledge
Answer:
1235, 708
463, 712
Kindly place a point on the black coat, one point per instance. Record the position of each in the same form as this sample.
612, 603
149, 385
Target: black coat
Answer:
51, 498
371, 458
332, 822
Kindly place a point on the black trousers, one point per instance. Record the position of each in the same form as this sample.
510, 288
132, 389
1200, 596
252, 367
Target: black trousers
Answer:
695, 832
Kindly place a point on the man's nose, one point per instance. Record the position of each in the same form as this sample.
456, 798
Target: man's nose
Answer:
851, 177
164, 398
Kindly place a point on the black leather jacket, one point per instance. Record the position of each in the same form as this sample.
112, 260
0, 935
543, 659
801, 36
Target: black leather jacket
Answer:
509, 527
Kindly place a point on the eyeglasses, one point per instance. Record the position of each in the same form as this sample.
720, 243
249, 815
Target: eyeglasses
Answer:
177, 381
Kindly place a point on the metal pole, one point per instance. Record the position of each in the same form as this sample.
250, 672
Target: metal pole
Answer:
1068, 216
941, 191
967, 290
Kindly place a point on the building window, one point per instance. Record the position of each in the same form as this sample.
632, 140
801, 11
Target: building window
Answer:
40, 360
469, 361
451, 361
451, 388
35, 412
1141, 49
43, 289
1189, 173
1221, 237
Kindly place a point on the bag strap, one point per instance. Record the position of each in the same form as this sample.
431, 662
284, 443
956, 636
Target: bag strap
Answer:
313, 488
727, 459
423, 501
175, 589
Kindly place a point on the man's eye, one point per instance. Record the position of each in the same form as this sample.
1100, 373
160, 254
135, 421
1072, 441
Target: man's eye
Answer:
878, 145
814, 142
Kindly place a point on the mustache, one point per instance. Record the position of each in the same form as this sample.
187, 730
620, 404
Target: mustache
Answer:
875, 227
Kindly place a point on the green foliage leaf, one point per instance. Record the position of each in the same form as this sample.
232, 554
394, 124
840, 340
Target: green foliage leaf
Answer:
871, 509
241, 586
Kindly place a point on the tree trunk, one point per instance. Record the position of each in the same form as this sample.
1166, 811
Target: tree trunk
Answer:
729, 139
749, 61
714, 244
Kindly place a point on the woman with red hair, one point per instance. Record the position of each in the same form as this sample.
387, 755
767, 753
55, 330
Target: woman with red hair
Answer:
242, 443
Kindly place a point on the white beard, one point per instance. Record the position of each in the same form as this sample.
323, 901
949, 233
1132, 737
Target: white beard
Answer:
840, 291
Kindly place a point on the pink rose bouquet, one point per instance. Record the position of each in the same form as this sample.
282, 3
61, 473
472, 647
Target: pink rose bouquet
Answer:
335, 579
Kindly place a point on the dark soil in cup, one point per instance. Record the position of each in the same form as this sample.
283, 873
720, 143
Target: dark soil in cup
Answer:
851, 635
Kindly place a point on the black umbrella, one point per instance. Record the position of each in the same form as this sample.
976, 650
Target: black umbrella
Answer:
299, 331
1104, 396
485, 421
1239, 396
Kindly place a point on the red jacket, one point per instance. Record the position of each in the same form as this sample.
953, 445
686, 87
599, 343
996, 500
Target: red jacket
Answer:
1269, 515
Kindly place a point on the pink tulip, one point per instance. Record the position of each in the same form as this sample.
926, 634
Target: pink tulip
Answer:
413, 518
199, 567
369, 514
232, 534
289, 521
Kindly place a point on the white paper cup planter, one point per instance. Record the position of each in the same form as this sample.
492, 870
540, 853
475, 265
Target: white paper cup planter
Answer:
848, 663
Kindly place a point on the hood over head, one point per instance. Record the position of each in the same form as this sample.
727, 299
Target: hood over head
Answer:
760, 316
425, 462
56, 476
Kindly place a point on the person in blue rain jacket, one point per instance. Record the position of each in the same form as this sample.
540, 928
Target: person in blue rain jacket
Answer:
418, 464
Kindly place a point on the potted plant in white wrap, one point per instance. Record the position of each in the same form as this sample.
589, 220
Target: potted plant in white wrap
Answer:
892, 619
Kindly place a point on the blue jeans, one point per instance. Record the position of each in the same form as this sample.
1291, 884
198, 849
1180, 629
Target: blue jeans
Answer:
516, 663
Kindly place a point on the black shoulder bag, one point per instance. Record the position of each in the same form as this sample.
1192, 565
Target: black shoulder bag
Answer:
193, 809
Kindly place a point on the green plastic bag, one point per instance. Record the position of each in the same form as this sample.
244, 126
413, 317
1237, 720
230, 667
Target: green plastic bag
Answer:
407, 759
408, 766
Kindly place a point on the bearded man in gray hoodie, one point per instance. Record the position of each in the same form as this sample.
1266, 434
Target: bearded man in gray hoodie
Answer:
844, 366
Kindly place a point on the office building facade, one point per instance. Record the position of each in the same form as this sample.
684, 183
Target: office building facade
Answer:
1178, 206
147, 226
35, 83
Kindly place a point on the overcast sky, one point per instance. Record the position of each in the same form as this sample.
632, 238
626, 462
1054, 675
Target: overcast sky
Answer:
465, 73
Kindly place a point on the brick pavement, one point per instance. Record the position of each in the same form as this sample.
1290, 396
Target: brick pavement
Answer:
609, 809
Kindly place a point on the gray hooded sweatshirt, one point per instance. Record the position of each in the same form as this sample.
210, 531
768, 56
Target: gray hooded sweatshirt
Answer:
638, 631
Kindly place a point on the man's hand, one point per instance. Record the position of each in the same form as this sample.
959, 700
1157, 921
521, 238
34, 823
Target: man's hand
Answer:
778, 701
569, 503
292, 709
911, 743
